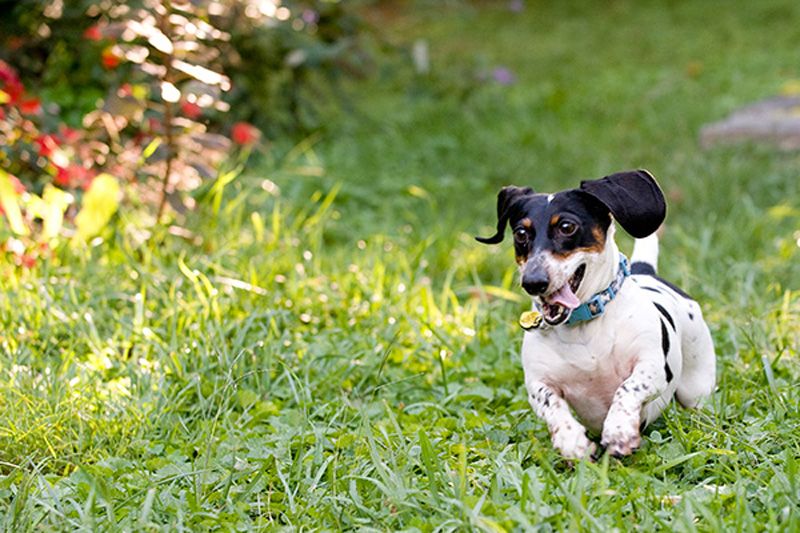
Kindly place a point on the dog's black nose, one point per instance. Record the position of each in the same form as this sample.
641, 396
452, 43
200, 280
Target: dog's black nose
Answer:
535, 283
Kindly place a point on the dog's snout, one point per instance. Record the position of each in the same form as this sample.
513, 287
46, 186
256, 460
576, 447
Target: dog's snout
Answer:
535, 282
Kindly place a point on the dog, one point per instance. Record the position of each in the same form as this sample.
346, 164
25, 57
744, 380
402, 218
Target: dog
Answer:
614, 343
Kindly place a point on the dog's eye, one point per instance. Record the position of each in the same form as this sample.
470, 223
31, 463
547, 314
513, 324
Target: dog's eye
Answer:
521, 235
567, 228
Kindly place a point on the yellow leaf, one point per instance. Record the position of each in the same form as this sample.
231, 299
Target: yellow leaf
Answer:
9, 202
258, 226
54, 203
50, 209
4, 97
791, 87
491, 525
782, 211
418, 192
140, 92
151, 148
99, 204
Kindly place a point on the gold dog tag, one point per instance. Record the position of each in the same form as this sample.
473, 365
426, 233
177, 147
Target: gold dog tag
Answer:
530, 320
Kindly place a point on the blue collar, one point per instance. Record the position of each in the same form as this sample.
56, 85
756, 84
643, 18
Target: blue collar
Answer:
596, 305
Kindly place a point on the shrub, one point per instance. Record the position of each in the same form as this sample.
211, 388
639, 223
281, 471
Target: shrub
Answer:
52, 162
276, 52
287, 59
145, 134
136, 93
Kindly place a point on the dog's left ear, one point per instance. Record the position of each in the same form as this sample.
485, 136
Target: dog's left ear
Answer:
505, 198
633, 197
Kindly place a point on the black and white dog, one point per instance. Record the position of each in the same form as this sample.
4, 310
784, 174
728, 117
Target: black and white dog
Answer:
613, 344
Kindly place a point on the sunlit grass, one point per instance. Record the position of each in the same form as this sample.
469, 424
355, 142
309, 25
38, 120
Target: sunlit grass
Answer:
330, 347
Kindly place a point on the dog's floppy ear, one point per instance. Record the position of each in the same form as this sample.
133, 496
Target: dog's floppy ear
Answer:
633, 197
505, 198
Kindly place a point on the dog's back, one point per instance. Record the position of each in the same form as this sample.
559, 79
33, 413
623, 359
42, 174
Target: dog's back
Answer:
681, 314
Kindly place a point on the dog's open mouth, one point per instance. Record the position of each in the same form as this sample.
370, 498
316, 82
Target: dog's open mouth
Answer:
557, 306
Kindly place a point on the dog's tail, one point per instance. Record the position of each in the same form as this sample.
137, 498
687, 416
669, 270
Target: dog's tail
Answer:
645, 255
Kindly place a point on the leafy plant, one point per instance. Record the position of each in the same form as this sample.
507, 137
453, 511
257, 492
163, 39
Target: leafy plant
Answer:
148, 133
288, 58
166, 53
35, 217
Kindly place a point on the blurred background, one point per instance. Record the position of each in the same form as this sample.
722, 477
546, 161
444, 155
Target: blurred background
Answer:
237, 256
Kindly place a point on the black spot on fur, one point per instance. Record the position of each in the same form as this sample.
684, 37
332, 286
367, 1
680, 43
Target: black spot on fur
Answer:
645, 269
674, 288
666, 283
665, 348
691, 316
665, 314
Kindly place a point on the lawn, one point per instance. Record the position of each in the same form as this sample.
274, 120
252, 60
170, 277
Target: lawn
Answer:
331, 349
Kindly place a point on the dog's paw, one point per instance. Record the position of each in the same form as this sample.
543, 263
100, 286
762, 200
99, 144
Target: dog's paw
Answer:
620, 439
572, 442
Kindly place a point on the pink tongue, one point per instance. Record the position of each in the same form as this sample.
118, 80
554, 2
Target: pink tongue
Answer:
564, 296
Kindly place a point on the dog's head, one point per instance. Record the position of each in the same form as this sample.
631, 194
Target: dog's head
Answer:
560, 239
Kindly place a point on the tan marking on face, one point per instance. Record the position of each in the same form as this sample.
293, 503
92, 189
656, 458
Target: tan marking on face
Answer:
554, 220
596, 248
528, 225
597, 233
593, 249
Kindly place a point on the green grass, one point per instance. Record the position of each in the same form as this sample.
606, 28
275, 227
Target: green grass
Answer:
342, 354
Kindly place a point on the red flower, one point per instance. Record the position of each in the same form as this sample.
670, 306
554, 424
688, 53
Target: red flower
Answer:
27, 260
15, 43
191, 110
125, 90
70, 135
10, 84
245, 134
109, 59
7, 73
93, 33
74, 176
19, 188
30, 106
46, 144
153, 125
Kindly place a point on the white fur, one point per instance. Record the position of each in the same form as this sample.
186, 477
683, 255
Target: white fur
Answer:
646, 250
610, 371
559, 271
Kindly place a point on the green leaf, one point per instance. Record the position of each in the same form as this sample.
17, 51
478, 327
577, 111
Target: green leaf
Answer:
429, 460
99, 204
9, 200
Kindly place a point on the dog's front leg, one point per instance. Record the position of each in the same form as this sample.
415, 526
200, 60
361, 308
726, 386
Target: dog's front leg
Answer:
568, 435
621, 427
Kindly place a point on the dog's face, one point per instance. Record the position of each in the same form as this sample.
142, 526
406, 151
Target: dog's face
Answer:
560, 239
557, 240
